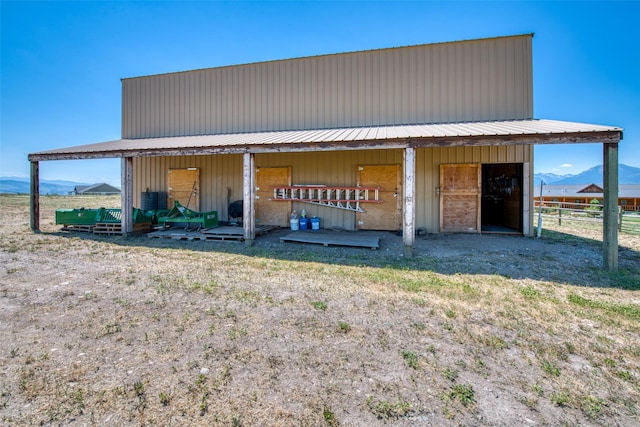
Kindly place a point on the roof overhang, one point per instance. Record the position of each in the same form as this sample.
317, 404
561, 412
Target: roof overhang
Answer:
494, 133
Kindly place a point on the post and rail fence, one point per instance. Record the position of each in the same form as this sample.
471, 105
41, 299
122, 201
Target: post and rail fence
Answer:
564, 212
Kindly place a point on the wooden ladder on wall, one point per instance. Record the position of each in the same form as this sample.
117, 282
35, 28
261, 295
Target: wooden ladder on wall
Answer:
348, 198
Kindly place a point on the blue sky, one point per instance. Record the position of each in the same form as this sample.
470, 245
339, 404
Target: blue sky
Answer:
62, 61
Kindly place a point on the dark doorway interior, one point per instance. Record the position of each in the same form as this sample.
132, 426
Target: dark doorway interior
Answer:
501, 198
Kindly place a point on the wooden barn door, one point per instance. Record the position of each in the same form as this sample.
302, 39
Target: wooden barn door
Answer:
460, 193
269, 212
184, 186
388, 214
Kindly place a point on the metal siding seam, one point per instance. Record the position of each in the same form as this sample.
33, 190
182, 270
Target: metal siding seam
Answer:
529, 67
144, 109
483, 83
172, 106
271, 96
341, 78
355, 100
124, 109
459, 109
209, 94
222, 101
164, 110
135, 109
412, 83
392, 86
322, 95
285, 95
176, 106
189, 111
309, 98
441, 105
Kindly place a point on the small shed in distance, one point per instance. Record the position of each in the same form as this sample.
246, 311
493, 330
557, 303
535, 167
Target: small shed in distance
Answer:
101, 188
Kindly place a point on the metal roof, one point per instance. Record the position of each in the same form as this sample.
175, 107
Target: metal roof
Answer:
394, 136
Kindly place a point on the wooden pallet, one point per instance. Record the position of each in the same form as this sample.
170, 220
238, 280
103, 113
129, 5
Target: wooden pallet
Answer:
177, 234
116, 228
81, 228
223, 233
107, 228
328, 238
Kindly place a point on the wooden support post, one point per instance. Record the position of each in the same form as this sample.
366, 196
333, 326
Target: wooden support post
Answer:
408, 202
527, 197
126, 196
248, 198
610, 222
34, 201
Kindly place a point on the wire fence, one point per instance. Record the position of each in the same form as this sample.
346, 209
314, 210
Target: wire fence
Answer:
567, 212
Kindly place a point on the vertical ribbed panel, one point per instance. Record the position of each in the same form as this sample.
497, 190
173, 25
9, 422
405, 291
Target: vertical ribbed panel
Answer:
428, 162
218, 173
488, 79
328, 168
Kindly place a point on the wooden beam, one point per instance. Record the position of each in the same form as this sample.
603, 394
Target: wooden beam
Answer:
34, 200
127, 196
610, 227
248, 198
408, 203
527, 197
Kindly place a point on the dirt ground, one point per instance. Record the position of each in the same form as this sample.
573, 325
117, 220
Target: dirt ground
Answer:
482, 330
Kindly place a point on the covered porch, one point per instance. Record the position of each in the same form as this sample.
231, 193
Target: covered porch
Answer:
407, 138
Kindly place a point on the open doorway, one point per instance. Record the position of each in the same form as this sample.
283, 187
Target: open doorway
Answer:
502, 198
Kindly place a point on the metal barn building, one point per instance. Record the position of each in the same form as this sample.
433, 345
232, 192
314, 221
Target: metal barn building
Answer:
437, 136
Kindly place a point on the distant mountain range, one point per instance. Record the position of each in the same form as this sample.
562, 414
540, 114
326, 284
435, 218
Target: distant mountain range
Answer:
16, 185
626, 175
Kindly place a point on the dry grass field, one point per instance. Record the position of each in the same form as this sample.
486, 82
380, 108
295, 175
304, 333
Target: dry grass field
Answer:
475, 330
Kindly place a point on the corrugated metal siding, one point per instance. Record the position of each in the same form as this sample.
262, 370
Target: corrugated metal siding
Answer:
217, 174
489, 79
328, 168
428, 161
220, 172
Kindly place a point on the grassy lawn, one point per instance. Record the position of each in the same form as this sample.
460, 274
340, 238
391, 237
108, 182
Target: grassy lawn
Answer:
107, 330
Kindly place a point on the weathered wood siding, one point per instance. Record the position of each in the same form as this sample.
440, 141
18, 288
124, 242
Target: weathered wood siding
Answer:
488, 79
218, 173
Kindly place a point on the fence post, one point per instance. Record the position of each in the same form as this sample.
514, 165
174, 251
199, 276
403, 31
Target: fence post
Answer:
559, 216
620, 211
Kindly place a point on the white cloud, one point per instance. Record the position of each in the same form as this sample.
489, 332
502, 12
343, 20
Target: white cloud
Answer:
566, 165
